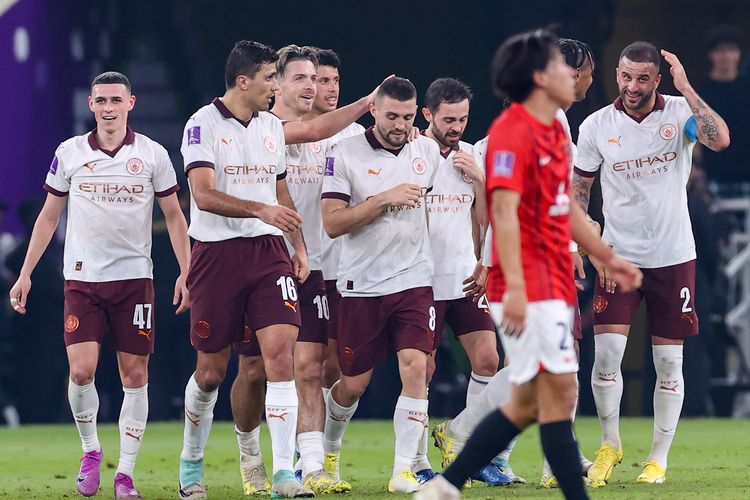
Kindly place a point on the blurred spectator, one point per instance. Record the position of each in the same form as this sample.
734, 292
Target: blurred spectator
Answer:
728, 93
36, 339
8, 411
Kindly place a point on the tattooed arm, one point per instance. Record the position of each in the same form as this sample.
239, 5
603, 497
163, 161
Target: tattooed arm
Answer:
712, 129
580, 189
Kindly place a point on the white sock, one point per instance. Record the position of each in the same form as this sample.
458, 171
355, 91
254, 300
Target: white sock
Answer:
505, 454
326, 392
477, 384
199, 415
409, 421
133, 417
668, 395
421, 462
84, 403
281, 417
606, 384
310, 451
337, 419
492, 397
249, 443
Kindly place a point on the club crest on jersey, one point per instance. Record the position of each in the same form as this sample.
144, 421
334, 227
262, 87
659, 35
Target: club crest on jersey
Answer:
270, 144
328, 170
53, 165
315, 147
502, 163
134, 166
466, 178
667, 131
419, 166
194, 135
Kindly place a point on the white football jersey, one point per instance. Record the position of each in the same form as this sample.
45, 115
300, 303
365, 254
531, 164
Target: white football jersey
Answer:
110, 205
563, 119
449, 205
247, 158
331, 248
392, 253
304, 167
644, 171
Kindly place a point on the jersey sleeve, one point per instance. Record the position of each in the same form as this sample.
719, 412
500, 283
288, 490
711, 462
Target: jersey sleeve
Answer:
165, 179
57, 181
198, 142
588, 158
336, 184
506, 160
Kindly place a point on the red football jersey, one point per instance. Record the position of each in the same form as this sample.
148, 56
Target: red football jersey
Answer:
533, 159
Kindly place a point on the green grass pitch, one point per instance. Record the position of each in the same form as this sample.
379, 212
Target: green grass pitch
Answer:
710, 459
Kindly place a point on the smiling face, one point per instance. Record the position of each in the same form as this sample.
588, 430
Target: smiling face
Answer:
637, 82
327, 83
111, 103
394, 119
297, 87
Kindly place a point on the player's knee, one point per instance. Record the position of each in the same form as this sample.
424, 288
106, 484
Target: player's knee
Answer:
486, 362
135, 377
82, 375
280, 365
351, 388
331, 372
309, 373
413, 367
209, 379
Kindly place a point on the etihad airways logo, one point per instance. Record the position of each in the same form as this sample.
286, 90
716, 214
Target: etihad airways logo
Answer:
250, 169
110, 188
450, 199
648, 161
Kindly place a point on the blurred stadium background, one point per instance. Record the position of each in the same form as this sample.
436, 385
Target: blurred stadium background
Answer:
174, 51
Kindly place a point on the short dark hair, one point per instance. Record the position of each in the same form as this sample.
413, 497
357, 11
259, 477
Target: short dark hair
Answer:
642, 52
111, 77
246, 58
517, 59
575, 52
446, 90
327, 57
724, 35
295, 53
397, 88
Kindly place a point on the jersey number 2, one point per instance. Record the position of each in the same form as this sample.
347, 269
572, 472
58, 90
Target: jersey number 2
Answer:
685, 294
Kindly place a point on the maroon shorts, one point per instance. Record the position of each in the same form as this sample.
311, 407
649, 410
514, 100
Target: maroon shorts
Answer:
239, 283
371, 326
577, 329
125, 308
463, 316
334, 301
314, 307
669, 293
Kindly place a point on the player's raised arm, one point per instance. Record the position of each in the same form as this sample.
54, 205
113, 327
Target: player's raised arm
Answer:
210, 199
44, 227
327, 124
712, 131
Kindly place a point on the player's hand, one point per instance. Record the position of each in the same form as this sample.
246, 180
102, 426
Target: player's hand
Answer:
281, 217
300, 266
19, 293
677, 70
514, 311
476, 285
403, 194
371, 97
413, 134
578, 268
626, 274
181, 295
606, 281
468, 166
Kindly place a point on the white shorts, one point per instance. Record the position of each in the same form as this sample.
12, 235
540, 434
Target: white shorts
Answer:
546, 343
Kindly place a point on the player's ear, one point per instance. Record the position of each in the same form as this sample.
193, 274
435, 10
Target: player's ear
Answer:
657, 81
427, 115
372, 109
131, 102
91, 104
